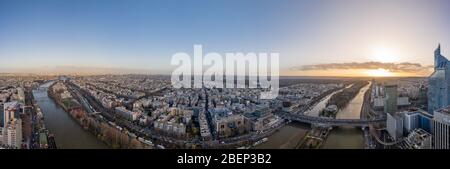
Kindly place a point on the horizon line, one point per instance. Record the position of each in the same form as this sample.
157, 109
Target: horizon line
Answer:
162, 74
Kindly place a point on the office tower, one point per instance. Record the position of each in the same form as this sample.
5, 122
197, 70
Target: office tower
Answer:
438, 83
422, 95
426, 121
441, 128
12, 134
11, 111
390, 98
12, 129
411, 120
1, 116
21, 95
414, 119
394, 125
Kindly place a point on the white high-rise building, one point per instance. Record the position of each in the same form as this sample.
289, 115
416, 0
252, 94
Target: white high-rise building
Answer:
12, 129
394, 125
441, 128
12, 134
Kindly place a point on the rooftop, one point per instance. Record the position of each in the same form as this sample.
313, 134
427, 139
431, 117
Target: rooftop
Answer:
417, 137
221, 112
11, 105
445, 110
257, 114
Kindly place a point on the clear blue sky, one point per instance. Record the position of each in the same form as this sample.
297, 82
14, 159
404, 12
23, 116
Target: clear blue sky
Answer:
145, 34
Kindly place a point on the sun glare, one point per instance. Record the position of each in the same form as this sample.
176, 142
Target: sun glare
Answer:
379, 73
384, 54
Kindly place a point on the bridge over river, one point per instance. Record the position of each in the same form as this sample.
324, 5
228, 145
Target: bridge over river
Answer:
330, 121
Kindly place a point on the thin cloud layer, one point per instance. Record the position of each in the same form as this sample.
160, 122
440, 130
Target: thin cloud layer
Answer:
405, 67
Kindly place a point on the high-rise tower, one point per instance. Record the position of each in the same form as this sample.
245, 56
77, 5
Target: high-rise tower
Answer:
441, 128
390, 98
439, 83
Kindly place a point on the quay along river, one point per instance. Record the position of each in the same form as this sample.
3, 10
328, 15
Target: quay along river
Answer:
68, 133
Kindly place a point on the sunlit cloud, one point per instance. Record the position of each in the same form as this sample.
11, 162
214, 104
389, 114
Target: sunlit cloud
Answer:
371, 68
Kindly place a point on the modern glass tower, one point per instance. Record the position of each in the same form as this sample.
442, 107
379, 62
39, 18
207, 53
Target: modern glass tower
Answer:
439, 83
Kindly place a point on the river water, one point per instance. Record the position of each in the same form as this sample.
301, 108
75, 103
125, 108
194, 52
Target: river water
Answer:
290, 135
68, 133
316, 109
348, 137
286, 138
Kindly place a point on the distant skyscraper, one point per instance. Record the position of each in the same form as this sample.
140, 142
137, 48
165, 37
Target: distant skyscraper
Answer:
441, 128
21, 94
390, 98
422, 95
438, 83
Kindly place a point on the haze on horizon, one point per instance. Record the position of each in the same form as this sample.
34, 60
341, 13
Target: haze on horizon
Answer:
314, 38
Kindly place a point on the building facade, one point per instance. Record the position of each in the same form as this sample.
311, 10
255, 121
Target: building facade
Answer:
11, 111
227, 124
12, 125
438, 83
12, 134
394, 125
441, 128
411, 121
390, 98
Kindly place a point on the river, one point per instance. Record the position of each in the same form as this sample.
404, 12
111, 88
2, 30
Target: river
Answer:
348, 137
286, 138
316, 109
290, 135
340, 138
68, 133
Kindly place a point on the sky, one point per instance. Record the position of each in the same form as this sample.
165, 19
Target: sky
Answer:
144, 34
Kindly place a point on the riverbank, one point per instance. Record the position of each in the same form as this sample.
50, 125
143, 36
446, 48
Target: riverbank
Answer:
107, 132
366, 109
293, 134
314, 108
287, 137
68, 134
342, 99
41, 138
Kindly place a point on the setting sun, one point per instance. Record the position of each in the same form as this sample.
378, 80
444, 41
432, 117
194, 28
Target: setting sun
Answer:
379, 73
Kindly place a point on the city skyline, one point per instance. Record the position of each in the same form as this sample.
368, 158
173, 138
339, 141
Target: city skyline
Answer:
370, 38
